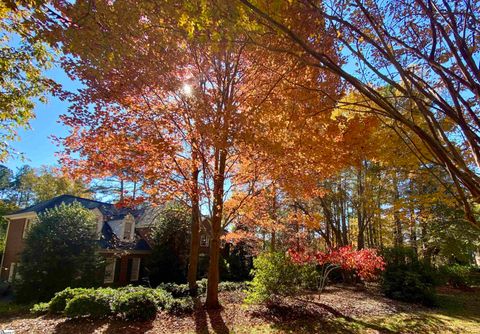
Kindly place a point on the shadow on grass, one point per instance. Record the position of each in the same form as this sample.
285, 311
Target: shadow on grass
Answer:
463, 305
214, 318
313, 317
200, 317
112, 326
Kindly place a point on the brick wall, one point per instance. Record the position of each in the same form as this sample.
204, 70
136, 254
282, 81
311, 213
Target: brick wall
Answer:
14, 245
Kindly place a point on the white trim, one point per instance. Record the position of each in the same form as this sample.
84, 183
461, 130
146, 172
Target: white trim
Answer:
26, 227
135, 273
5, 245
112, 279
99, 222
30, 214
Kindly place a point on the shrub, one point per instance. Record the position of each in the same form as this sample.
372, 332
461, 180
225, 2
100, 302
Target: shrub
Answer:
162, 297
94, 305
60, 300
202, 286
231, 286
60, 251
177, 290
180, 305
274, 274
456, 275
136, 305
182, 290
407, 279
4, 288
40, 308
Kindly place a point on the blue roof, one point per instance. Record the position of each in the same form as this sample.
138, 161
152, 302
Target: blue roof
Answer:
106, 208
108, 239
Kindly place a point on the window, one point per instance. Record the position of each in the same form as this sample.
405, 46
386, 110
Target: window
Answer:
135, 269
26, 227
13, 271
109, 270
204, 240
127, 230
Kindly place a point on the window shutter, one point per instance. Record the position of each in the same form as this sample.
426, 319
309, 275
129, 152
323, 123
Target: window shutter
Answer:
135, 269
109, 270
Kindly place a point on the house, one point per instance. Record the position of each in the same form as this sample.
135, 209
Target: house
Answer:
122, 239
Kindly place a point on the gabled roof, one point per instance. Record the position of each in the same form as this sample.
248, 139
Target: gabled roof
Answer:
105, 208
109, 240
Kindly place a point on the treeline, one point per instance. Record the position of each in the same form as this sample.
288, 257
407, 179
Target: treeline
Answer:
371, 205
27, 185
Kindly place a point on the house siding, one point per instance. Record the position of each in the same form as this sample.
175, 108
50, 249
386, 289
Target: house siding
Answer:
14, 245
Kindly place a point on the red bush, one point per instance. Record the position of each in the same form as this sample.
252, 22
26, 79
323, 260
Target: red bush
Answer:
366, 263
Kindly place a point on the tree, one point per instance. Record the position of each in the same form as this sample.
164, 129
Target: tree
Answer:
29, 186
48, 182
60, 251
23, 57
429, 62
171, 237
183, 107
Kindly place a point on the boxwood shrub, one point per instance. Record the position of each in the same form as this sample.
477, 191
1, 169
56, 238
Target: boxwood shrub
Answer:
129, 303
91, 305
180, 305
135, 305
58, 303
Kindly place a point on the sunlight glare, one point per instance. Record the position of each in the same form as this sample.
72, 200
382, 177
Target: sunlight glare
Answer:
187, 89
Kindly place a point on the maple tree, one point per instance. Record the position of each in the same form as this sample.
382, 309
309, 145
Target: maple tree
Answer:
181, 113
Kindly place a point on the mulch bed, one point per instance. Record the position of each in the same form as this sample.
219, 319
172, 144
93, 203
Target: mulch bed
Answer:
338, 301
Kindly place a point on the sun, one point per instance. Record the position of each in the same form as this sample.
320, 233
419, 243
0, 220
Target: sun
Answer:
187, 89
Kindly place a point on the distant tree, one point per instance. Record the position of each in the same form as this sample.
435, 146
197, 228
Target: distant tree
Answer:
21, 190
171, 248
6, 176
28, 185
59, 252
49, 182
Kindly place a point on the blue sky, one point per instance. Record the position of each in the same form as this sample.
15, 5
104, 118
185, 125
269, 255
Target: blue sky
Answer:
35, 143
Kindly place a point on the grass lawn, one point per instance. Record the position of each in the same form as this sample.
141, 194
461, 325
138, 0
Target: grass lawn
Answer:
338, 310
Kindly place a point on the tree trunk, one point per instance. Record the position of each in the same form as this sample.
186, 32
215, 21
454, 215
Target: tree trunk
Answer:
413, 224
213, 268
195, 233
360, 211
273, 242
396, 214
273, 215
